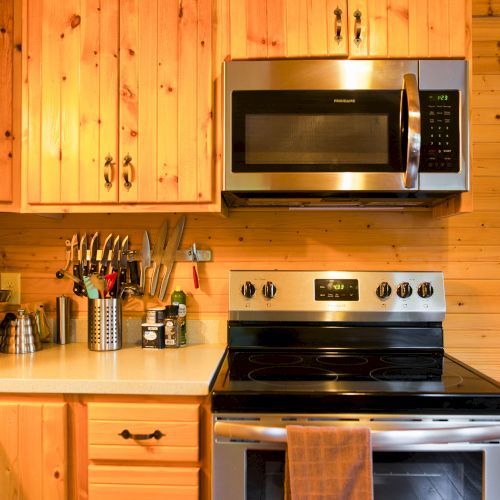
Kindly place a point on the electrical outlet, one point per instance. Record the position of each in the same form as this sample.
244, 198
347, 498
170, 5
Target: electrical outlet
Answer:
12, 281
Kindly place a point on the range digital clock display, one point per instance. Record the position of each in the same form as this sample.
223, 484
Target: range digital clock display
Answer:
336, 289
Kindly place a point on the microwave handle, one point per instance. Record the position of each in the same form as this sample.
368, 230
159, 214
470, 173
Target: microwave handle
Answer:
381, 440
410, 85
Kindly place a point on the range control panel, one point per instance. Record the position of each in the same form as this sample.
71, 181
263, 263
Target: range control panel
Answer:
337, 295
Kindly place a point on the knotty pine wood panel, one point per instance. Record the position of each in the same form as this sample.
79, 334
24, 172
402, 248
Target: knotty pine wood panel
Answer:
483, 8
6, 101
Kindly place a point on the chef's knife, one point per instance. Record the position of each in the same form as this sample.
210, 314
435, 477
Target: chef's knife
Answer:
145, 260
115, 265
168, 257
122, 276
83, 255
75, 258
94, 246
157, 256
106, 249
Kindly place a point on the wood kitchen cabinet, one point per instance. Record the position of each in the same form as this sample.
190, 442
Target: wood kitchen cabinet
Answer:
119, 105
127, 462
9, 105
33, 450
353, 28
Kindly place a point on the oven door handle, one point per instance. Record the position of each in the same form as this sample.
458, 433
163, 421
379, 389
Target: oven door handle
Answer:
381, 440
410, 85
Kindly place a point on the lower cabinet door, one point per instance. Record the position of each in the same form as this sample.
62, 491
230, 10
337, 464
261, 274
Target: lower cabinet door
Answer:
110, 482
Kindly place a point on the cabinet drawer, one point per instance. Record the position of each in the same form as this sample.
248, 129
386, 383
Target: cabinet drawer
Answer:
179, 424
109, 482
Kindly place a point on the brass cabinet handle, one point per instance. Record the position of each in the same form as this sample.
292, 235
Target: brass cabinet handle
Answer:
108, 171
126, 434
127, 171
357, 27
338, 24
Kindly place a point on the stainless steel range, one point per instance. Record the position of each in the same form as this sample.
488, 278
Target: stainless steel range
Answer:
348, 349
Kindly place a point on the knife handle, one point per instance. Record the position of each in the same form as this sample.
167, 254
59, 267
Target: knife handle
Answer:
196, 281
121, 279
93, 268
103, 270
77, 289
134, 272
114, 289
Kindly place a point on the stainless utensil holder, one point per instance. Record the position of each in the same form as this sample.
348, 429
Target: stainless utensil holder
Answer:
105, 324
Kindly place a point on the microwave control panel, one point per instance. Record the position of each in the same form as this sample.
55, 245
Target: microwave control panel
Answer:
440, 128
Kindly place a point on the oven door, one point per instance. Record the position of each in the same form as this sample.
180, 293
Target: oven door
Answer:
460, 460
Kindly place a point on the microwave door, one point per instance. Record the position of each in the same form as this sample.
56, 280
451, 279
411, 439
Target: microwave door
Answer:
413, 131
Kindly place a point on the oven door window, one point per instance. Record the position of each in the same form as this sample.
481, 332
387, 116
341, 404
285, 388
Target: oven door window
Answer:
318, 131
397, 475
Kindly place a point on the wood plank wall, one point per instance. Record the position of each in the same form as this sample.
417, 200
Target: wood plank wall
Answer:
466, 247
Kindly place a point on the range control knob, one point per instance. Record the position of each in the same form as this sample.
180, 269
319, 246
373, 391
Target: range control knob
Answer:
269, 290
248, 289
383, 290
404, 290
425, 290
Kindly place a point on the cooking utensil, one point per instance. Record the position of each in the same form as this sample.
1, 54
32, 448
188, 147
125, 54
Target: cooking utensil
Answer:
106, 250
110, 282
100, 283
60, 272
196, 281
157, 256
94, 246
92, 292
168, 256
115, 266
78, 287
145, 260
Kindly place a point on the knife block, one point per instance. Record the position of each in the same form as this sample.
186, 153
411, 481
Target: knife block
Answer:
105, 324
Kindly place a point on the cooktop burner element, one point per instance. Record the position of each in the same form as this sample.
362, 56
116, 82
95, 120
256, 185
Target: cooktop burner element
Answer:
342, 342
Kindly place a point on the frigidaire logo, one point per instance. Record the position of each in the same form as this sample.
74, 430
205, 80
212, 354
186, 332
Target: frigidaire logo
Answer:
345, 101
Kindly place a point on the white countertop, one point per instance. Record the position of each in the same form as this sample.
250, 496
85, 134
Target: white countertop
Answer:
73, 369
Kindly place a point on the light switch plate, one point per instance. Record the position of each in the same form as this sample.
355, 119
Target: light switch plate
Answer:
12, 281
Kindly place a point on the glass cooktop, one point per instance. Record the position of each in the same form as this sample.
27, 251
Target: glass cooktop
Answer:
285, 380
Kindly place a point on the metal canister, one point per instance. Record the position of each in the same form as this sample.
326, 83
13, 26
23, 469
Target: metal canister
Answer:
153, 335
63, 313
155, 315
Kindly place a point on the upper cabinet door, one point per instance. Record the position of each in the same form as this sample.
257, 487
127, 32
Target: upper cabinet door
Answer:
166, 104
260, 29
6, 100
409, 28
71, 92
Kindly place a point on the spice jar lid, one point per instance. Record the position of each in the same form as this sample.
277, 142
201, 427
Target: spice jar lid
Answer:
172, 310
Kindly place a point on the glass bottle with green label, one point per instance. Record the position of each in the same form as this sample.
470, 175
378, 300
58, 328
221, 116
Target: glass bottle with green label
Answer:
178, 298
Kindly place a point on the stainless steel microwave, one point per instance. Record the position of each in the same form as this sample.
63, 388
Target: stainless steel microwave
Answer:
345, 132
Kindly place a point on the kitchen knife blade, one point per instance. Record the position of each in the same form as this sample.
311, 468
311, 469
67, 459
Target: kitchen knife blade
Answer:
94, 246
156, 257
122, 275
168, 256
83, 255
75, 258
115, 265
145, 260
106, 249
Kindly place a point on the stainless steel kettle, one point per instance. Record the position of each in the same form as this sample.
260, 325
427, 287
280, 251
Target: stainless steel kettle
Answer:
19, 333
